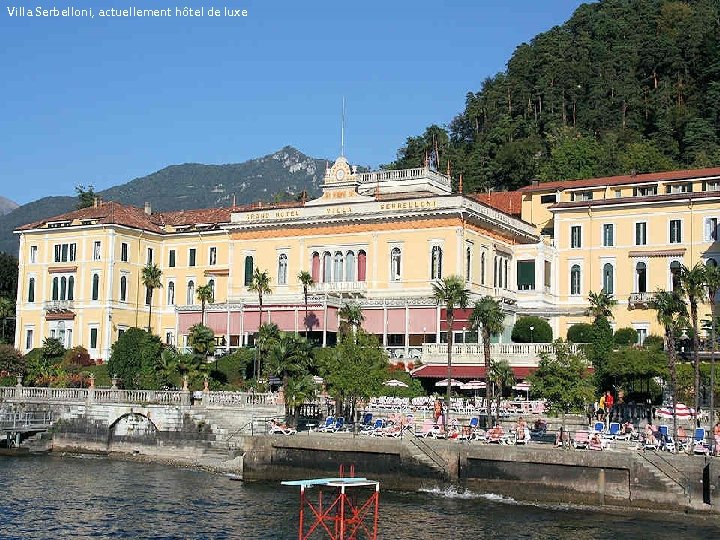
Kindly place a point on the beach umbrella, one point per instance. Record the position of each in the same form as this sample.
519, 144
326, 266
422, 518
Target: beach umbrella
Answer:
523, 387
445, 382
395, 383
682, 411
474, 385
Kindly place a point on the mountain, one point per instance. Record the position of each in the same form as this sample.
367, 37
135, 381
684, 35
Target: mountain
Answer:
282, 175
623, 86
7, 206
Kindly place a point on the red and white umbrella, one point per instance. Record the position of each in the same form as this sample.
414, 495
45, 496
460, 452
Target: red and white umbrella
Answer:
445, 382
474, 385
682, 411
395, 383
522, 387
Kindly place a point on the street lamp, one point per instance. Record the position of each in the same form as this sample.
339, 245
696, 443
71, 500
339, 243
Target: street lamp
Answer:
531, 334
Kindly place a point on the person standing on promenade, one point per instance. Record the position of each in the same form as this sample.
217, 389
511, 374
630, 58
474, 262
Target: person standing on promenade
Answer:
609, 401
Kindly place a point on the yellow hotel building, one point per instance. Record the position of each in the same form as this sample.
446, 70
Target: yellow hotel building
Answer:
380, 239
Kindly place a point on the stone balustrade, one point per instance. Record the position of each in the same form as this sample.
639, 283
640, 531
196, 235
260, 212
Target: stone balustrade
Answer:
472, 353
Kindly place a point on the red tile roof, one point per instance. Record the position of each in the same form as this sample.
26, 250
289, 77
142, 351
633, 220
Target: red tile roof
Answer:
623, 179
509, 202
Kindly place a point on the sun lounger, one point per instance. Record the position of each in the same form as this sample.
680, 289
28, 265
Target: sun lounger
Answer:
279, 429
596, 443
425, 429
327, 425
377, 425
581, 440
700, 447
615, 431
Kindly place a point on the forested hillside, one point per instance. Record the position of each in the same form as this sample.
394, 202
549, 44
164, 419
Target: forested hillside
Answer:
624, 85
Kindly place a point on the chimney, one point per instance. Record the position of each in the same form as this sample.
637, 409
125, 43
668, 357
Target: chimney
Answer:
535, 182
96, 202
148, 208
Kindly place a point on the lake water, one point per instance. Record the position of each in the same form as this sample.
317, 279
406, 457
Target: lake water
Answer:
78, 497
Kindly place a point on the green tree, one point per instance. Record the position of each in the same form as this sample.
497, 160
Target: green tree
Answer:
712, 281
672, 315
531, 330
206, 295
260, 284
306, 280
85, 196
353, 370
451, 293
580, 333
7, 310
11, 360
601, 305
693, 285
202, 340
351, 319
289, 358
487, 316
151, 275
300, 390
134, 357
563, 379
500, 375
267, 335
625, 336
8, 275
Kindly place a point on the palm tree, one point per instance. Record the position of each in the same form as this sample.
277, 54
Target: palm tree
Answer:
712, 282
151, 275
488, 317
7, 308
500, 375
351, 318
692, 284
451, 292
205, 294
299, 390
601, 305
672, 315
306, 280
268, 334
260, 284
288, 358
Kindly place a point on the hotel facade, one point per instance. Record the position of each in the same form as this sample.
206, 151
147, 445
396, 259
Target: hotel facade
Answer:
378, 239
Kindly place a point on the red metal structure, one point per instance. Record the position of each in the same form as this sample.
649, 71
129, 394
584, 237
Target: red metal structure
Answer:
345, 508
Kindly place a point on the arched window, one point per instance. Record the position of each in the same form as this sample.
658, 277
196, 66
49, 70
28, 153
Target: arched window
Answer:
95, 287
675, 275
482, 268
56, 288
436, 263
506, 263
190, 300
362, 262
711, 262
315, 267
71, 288
63, 288
608, 278
211, 284
282, 269
350, 266
338, 264
641, 277
249, 268
468, 264
171, 293
575, 279
395, 262
327, 267
31, 290
123, 289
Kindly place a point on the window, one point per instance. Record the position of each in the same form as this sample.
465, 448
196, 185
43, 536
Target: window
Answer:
190, 299
96, 250
93, 338
362, 262
608, 278
171, 293
338, 264
65, 252
350, 266
618, 193
576, 236
282, 269
608, 235
547, 199
482, 268
63, 287
327, 267
526, 275
468, 264
675, 275
711, 262
548, 275
124, 252
148, 296
645, 191
211, 284
712, 185
581, 196
315, 267
675, 231
395, 264
249, 267
641, 234
169, 337
123, 288
641, 277
171, 258
436, 263
642, 334
191, 257
575, 287
711, 229
31, 290
149, 255
679, 188
29, 338
33, 254
95, 287
212, 257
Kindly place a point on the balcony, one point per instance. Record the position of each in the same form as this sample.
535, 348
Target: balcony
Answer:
58, 305
342, 287
516, 354
640, 300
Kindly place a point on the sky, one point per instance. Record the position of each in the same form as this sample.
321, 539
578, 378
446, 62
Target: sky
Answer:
99, 101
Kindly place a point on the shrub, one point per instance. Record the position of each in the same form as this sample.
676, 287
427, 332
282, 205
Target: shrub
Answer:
625, 336
580, 333
232, 368
654, 342
76, 358
11, 360
134, 359
102, 375
541, 332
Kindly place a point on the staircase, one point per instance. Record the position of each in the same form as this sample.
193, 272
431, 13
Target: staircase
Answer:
674, 480
423, 453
